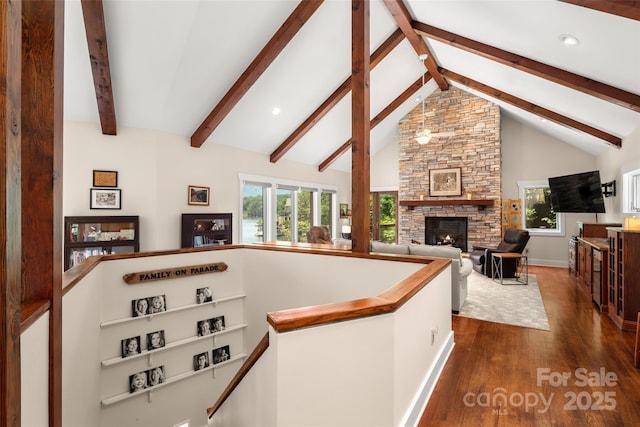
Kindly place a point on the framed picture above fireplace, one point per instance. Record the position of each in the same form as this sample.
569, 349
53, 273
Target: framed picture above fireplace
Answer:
445, 182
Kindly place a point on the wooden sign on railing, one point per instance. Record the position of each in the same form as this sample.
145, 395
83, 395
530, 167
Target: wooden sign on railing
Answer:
174, 273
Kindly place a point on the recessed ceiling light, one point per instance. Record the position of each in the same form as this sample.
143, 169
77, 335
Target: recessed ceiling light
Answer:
569, 40
275, 111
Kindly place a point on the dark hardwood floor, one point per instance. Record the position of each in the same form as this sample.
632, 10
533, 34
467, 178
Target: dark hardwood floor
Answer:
491, 361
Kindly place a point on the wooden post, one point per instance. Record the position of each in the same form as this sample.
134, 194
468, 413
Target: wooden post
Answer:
41, 162
360, 125
10, 252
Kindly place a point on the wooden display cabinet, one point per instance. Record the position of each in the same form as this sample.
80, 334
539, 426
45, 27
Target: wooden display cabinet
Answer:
624, 270
210, 229
86, 236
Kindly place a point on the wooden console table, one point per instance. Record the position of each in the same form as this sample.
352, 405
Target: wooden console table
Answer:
480, 203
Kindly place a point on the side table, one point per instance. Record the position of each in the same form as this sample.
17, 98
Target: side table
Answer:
522, 266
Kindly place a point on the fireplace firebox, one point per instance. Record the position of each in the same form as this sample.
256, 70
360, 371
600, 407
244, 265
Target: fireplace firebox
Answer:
449, 231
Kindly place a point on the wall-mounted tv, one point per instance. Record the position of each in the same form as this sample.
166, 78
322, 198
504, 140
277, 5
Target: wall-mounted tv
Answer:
577, 193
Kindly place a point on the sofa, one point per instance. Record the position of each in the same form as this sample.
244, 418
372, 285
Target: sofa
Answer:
460, 267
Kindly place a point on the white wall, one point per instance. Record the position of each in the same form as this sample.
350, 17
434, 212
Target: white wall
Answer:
530, 155
385, 167
310, 280
34, 373
612, 165
155, 169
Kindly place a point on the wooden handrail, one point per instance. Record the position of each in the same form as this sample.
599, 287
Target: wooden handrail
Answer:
386, 302
244, 370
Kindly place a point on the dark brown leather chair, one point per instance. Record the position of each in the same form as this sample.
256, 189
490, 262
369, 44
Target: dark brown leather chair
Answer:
514, 240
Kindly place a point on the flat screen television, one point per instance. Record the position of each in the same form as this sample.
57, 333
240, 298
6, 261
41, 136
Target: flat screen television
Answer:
577, 193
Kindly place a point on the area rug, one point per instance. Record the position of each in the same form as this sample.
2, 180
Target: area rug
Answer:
510, 303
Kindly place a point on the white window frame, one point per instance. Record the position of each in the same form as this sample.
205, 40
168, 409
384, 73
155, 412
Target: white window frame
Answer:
631, 192
270, 203
560, 218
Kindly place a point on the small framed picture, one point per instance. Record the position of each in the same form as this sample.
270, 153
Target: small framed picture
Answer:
344, 210
201, 361
445, 182
105, 178
102, 198
217, 324
221, 354
130, 346
198, 195
140, 307
155, 376
204, 328
155, 340
157, 304
138, 381
203, 295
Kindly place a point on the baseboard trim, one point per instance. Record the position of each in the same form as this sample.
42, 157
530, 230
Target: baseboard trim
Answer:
414, 413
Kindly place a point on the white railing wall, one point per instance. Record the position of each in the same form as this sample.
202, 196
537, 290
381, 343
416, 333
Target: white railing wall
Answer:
34, 373
386, 359
372, 371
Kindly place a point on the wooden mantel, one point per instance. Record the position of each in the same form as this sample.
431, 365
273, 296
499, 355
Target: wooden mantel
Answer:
480, 203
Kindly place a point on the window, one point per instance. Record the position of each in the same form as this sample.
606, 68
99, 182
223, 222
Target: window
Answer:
283, 210
631, 195
253, 209
383, 211
537, 214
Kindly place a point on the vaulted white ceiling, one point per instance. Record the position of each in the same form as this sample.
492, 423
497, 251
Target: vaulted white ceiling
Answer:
172, 61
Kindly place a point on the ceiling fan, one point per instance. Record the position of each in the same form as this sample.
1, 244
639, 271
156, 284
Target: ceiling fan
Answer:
423, 136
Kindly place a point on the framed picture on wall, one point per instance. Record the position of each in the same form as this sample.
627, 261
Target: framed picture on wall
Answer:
102, 198
445, 182
198, 195
344, 210
105, 178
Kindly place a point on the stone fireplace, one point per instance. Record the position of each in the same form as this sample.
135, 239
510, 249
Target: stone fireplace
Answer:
474, 148
446, 231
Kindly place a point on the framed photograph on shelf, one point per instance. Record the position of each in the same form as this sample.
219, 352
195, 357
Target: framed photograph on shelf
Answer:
130, 346
155, 340
445, 182
105, 178
102, 198
221, 354
203, 295
201, 361
198, 195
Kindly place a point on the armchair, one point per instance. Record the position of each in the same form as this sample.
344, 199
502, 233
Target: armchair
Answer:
514, 240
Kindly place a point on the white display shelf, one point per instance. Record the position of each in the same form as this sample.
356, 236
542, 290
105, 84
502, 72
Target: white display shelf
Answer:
185, 341
169, 381
150, 317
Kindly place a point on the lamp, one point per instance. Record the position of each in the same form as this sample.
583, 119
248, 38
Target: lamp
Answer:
423, 135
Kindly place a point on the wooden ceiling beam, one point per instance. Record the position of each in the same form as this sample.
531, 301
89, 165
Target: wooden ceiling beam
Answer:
403, 18
533, 108
385, 48
377, 119
93, 14
259, 65
574, 81
625, 8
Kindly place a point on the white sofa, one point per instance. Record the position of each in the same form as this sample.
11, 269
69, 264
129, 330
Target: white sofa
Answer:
460, 267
